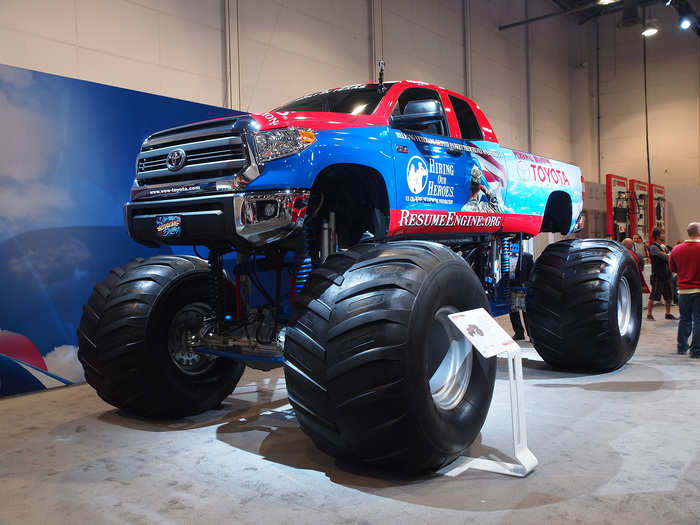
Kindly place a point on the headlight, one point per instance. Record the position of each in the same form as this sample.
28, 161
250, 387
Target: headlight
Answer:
277, 143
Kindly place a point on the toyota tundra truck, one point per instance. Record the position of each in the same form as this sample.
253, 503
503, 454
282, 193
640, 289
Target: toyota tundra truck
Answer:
358, 219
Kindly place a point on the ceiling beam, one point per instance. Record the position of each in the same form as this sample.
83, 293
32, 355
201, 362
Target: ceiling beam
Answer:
549, 15
600, 11
561, 5
608, 10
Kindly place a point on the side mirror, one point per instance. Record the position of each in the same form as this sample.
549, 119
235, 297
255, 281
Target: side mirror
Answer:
418, 113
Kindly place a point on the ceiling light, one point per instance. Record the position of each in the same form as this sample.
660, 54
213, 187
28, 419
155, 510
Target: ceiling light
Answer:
650, 28
687, 17
606, 2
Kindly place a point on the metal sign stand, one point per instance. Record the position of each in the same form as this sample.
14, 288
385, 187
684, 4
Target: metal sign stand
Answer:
526, 459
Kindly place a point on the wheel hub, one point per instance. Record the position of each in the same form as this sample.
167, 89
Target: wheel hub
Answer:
624, 306
451, 357
185, 332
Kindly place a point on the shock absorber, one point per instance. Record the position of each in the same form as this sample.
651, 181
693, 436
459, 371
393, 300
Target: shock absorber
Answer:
216, 284
325, 240
505, 266
303, 262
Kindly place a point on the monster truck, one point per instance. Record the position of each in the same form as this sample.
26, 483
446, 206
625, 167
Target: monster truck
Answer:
358, 219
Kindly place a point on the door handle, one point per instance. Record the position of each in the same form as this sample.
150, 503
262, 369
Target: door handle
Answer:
455, 152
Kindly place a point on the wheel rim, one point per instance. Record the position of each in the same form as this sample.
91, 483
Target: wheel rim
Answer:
624, 306
185, 328
450, 356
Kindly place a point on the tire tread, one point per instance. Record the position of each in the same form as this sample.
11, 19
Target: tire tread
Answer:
568, 302
113, 344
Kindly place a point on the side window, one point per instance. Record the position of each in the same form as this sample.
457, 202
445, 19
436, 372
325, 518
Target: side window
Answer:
415, 93
468, 125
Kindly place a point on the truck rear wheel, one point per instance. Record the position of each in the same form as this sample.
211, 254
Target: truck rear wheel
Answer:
584, 305
131, 340
375, 370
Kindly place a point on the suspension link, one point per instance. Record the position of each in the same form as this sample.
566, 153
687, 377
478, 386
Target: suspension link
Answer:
216, 286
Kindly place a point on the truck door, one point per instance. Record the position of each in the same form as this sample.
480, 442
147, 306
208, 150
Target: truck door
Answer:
485, 155
429, 164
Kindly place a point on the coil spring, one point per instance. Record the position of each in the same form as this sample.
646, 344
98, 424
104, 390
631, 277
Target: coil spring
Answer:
505, 264
304, 264
216, 282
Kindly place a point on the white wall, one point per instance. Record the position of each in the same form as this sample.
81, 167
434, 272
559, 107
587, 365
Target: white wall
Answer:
673, 88
166, 47
424, 41
289, 48
552, 43
623, 150
584, 104
682, 208
499, 61
674, 103
498, 68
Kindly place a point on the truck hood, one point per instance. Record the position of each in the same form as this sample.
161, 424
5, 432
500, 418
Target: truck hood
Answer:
318, 121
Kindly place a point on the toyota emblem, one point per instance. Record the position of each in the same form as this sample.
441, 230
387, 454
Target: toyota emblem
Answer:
175, 159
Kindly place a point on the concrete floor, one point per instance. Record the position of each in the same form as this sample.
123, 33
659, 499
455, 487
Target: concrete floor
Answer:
615, 448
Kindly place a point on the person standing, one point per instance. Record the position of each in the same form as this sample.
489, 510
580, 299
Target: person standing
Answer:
660, 274
629, 244
521, 271
674, 282
685, 261
640, 249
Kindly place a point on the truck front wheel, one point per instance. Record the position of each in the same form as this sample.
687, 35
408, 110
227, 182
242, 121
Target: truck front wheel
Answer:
132, 334
584, 305
375, 370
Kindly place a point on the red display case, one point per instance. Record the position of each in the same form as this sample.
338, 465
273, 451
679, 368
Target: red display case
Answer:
617, 204
639, 199
657, 215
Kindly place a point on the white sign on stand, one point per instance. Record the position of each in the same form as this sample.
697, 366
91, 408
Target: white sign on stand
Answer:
483, 332
489, 339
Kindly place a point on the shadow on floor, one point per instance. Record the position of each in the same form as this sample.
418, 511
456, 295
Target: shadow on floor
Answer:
630, 386
276, 436
210, 417
258, 419
536, 370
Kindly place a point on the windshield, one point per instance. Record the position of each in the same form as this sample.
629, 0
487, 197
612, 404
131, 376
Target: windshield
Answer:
357, 100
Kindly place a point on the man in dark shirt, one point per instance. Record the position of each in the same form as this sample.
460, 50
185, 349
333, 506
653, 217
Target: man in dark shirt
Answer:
660, 274
520, 274
685, 261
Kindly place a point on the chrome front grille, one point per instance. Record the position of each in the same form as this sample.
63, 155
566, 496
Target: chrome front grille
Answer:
210, 151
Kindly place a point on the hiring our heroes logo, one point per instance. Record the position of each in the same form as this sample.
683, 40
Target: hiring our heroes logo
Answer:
416, 174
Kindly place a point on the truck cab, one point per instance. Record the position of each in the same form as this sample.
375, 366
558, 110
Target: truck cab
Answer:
403, 155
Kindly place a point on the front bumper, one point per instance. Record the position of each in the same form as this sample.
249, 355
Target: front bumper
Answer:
248, 218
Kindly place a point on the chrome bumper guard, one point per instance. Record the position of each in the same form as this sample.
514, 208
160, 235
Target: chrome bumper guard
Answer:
269, 217
253, 218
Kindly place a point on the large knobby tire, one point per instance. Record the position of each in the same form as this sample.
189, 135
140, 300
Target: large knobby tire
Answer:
584, 305
126, 337
363, 352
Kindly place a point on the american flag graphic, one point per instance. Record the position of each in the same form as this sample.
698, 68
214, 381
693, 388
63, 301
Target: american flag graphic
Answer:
494, 172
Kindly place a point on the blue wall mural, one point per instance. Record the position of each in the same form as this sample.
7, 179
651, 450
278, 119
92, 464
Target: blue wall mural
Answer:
67, 152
